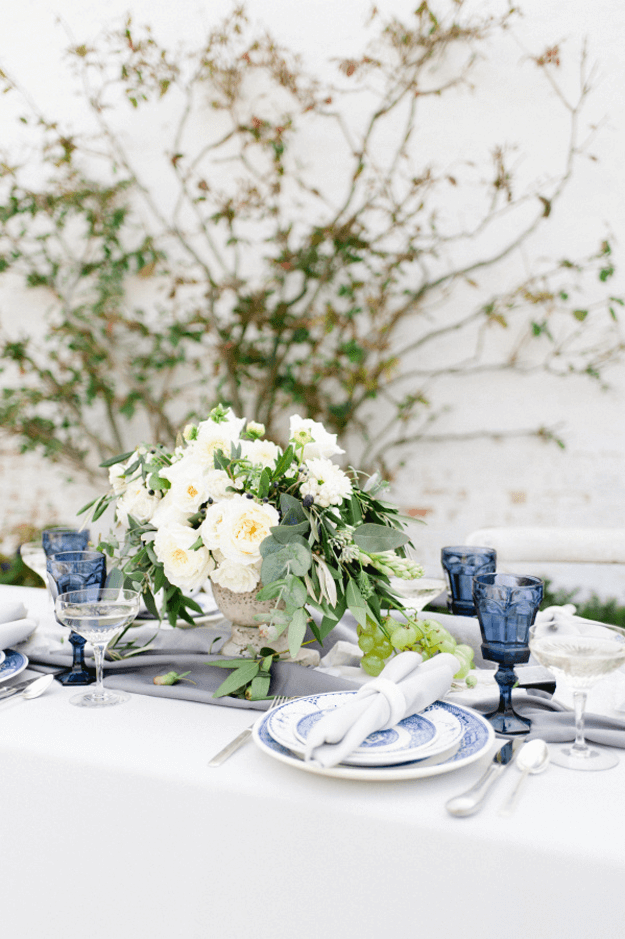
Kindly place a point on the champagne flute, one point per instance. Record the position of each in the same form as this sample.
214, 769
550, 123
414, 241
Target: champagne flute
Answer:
98, 615
581, 656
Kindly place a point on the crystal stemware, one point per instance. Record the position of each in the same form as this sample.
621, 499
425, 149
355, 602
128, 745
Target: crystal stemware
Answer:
74, 570
460, 565
580, 655
64, 539
98, 615
418, 592
34, 557
506, 606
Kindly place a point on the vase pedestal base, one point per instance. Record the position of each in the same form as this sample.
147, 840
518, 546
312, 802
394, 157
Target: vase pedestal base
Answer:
242, 637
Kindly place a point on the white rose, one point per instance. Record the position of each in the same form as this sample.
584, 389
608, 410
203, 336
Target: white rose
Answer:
240, 578
185, 568
323, 444
217, 482
168, 512
263, 452
211, 526
213, 436
138, 502
189, 487
244, 526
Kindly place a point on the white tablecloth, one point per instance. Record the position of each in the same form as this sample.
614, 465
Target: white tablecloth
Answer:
113, 827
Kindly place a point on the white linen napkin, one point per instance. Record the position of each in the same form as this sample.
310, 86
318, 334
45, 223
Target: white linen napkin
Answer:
15, 625
405, 686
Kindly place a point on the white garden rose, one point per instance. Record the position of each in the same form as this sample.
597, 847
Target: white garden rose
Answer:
217, 482
323, 444
261, 452
168, 512
325, 482
243, 527
212, 436
138, 502
189, 486
184, 567
211, 526
240, 578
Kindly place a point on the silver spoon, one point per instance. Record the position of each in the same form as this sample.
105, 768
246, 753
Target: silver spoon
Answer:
34, 689
533, 758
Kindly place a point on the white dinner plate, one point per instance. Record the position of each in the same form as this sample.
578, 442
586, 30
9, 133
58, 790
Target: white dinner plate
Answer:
14, 663
417, 737
477, 737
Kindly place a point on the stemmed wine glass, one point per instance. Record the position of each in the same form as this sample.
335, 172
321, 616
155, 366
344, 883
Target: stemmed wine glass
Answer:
98, 615
74, 570
506, 606
418, 592
34, 556
460, 565
580, 658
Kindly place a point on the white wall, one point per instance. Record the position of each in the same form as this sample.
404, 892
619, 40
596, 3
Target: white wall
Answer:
455, 487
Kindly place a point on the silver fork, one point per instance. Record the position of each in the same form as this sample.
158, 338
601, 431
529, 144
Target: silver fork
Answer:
240, 739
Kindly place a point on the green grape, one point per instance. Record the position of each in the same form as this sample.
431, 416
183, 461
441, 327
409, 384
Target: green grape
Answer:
447, 645
404, 637
383, 647
372, 664
366, 643
471, 681
369, 629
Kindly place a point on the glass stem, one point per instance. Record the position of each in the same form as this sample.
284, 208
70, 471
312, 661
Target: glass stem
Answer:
98, 654
579, 703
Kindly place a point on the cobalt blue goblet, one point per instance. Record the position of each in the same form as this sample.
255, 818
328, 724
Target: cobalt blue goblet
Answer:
76, 570
64, 539
506, 606
460, 565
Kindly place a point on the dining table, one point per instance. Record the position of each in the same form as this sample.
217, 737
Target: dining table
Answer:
115, 827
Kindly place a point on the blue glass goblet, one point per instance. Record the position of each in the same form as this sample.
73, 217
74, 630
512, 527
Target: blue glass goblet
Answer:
64, 539
76, 570
506, 606
460, 564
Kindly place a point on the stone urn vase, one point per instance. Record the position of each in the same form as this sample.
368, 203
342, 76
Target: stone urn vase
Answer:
241, 609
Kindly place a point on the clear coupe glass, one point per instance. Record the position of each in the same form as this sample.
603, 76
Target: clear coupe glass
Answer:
34, 556
581, 656
418, 592
98, 615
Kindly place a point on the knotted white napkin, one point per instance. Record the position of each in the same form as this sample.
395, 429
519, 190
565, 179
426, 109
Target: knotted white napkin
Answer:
15, 626
405, 686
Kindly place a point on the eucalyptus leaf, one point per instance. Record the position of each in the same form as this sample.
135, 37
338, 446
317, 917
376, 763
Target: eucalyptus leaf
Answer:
286, 533
291, 508
377, 538
117, 459
290, 559
115, 578
297, 631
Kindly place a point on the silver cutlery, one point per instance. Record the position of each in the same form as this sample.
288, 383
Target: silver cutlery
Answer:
470, 801
28, 689
240, 739
533, 758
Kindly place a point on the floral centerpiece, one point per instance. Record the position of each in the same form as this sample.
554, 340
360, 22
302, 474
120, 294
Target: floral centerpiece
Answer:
288, 526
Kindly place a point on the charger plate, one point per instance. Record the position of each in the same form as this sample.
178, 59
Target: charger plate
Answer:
477, 738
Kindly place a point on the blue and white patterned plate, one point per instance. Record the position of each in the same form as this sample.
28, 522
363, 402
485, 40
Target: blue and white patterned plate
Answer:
2, 656
477, 737
409, 740
14, 663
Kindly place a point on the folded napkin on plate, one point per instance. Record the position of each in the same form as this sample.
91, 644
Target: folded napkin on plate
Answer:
11, 610
405, 686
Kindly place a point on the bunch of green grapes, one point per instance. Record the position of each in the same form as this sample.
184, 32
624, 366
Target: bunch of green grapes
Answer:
426, 636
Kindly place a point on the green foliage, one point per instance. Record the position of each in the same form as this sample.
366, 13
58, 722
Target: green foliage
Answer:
259, 286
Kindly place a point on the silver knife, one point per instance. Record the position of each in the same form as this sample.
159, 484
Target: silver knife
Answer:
470, 801
16, 689
227, 751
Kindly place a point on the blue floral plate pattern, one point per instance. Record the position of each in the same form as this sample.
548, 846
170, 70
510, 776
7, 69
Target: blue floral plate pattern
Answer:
14, 663
476, 738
